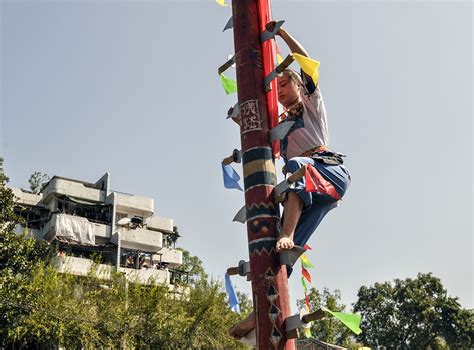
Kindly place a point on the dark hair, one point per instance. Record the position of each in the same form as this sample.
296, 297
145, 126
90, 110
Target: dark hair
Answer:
294, 76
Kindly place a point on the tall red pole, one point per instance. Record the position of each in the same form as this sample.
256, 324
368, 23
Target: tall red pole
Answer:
269, 279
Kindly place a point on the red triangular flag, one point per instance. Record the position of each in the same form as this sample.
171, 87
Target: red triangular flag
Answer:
315, 182
306, 274
307, 247
306, 298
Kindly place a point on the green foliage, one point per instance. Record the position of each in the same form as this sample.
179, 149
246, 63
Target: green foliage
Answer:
245, 304
41, 308
19, 256
193, 265
413, 314
18, 253
329, 329
84, 311
37, 180
8, 219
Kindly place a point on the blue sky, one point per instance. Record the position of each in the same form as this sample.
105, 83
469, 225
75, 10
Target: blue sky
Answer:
131, 87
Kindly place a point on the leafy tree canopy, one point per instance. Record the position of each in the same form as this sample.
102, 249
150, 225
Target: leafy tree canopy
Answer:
329, 329
37, 180
42, 308
413, 314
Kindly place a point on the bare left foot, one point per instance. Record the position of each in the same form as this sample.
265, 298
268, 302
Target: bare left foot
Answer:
284, 243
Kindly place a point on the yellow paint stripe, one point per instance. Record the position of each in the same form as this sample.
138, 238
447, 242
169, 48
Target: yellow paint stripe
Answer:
259, 165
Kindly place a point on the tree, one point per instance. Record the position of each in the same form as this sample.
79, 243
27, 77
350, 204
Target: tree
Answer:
19, 256
18, 253
329, 329
245, 304
37, 180
42, 308
193, 266
413, 314
91, 313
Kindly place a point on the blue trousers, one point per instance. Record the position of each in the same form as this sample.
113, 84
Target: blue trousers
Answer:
316, 205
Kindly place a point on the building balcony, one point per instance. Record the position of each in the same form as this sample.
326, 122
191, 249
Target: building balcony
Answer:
159, 224
134, 205
179, 290
30, 232
75, 228
25, 198
72, 188
172, 257
82, 267
139, 239
146, 275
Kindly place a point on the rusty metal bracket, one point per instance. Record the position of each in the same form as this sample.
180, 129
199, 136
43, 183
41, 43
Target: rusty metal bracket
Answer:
226, 65
243, 269
277, 71
303, 319
236, 157
286, 184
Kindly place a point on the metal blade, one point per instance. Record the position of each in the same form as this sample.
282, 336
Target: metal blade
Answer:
292, 322
290, 257
264, 36
235, 111
277, 71
281, 187
241, 215
229, 24
279, 132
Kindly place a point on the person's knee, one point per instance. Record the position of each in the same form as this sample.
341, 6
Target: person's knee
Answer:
295, 163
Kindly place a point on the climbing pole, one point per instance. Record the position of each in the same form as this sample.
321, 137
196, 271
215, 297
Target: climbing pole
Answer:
257, 107
254, 58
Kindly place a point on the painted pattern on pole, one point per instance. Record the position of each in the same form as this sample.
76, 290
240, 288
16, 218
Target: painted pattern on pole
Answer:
269, 279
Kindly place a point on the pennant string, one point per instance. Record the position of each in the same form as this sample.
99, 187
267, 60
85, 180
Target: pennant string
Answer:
306, 274
305, 287
305, 262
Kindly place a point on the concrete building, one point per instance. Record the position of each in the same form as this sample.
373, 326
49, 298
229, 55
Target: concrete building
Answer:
89, 222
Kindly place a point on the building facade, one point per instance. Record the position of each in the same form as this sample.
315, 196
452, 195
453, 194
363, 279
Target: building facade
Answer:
88, 225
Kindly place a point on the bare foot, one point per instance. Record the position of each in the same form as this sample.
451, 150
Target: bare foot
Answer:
284, 243
243, 327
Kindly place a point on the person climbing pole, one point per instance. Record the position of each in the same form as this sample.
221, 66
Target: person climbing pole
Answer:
306, 143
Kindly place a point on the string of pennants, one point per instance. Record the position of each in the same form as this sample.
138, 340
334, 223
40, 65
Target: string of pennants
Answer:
351, 321
313, 180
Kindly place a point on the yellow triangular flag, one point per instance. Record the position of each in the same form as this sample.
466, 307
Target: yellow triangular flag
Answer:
222, 3
308, 65
279, 58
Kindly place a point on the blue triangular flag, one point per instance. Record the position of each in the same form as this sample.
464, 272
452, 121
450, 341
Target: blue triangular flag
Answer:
231, 178
233, 301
